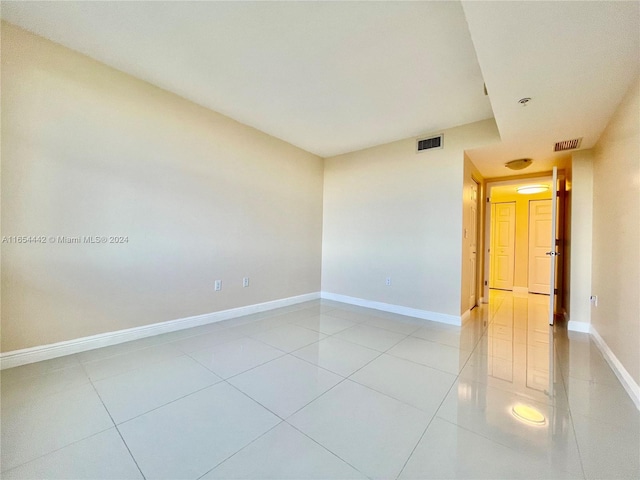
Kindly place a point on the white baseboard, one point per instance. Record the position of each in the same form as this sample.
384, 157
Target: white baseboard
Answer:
574, 326
465, 316
399, 309
520, 289
629, 384
46, 352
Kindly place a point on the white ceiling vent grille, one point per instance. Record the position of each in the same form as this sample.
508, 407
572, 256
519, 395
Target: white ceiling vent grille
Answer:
568, 145
430, 143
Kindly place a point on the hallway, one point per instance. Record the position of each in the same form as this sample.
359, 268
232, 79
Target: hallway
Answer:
328, 390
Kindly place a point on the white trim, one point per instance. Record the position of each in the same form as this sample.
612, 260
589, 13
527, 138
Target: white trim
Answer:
46, 352
399, 309
574, 326
482, 300
520, 290
629, 384
465, 316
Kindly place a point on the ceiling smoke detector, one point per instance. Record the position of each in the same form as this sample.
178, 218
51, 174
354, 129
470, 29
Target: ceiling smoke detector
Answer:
519, 164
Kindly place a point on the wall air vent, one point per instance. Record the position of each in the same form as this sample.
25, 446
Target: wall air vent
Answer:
568, 145
430, 143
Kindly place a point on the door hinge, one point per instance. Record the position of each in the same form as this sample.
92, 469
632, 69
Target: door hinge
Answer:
555, 291
488, 200
485, 283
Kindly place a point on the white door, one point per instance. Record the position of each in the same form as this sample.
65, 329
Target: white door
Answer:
552, 251
473, 244
503, 220
539, 245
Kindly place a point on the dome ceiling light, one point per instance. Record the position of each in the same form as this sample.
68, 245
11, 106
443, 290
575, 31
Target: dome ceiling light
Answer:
530, 189
519, 164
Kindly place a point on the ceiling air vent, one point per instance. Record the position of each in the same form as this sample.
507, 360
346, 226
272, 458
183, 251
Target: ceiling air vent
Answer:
568, 145
430, 143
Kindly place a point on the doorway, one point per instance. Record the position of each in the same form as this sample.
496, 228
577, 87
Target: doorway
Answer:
518, 236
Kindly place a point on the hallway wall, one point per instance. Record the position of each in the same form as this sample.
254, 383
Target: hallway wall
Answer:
616, 233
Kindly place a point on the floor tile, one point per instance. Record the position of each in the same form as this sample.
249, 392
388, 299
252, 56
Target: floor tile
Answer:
371, 337
325, 324
289, 337
284, 453
286, 384
449, 452
181, 420
608, 403
38, 368
417, 385
115, 365
371, 431
133, 393
400, 326
46, 424
607, 451
356, 315
293, 316
237, 356
318, 309
103, 456
529, 378
206, 340
435, 355
338, 356
119, 349
20, 390
489, 412
187, 438
464, 339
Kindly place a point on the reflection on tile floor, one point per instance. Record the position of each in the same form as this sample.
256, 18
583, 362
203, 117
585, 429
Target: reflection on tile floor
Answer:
326, 390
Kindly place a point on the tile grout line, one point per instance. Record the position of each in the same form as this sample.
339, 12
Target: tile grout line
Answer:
434, 416
241, 448
573, 424
118, 430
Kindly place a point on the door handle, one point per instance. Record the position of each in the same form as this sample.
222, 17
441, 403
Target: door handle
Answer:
553, 254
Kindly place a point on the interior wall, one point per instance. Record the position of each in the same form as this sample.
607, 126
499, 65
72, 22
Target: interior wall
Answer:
566, 257
392, 212
90, 151
521, 261
616, 233
580, 242
471, 177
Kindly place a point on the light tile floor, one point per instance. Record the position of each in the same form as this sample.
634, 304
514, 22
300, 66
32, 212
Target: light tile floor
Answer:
324, 390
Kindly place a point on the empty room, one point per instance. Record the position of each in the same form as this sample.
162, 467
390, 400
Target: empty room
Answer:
320, 240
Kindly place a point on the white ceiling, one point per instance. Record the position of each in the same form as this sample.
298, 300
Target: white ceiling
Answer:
333, 77
574, 59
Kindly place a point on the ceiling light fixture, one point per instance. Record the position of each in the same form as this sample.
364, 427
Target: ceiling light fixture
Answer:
530, 189
528, 415
519, 164
524, 101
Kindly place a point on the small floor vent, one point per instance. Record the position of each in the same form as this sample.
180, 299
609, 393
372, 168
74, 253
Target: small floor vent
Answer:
568, 145
430, 143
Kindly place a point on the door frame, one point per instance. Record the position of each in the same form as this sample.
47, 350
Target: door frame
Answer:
488, 184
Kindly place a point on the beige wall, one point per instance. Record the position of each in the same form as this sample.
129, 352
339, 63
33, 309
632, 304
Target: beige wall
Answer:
392, 212
581, 236
616, 233
521, 261
472, 177
88, 150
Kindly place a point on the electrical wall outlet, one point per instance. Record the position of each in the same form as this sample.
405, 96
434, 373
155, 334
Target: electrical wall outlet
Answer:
387, 282
245, 282
217, 285
594, 300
